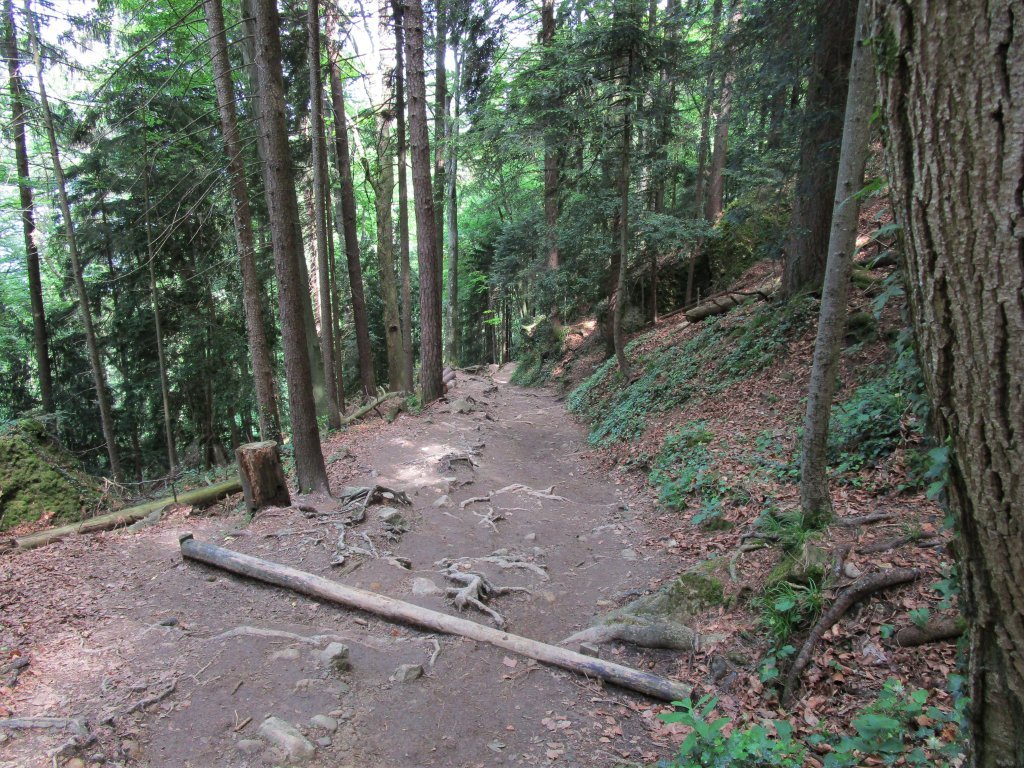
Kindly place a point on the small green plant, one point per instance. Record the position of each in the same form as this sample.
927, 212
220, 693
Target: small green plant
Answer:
787, 529
707, 745
919, 617
786, 608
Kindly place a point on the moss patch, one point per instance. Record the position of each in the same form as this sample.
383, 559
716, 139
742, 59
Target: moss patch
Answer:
36, 480
688, 595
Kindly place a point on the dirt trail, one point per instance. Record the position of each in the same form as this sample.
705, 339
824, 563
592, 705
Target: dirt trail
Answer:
110, 620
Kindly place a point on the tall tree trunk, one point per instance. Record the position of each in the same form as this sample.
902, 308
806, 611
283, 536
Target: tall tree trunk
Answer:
952, 85
383, 181
351, 234
408, 354
252, 290
431, 387
283, 210
814, 496
320, 181
40, 338
806, 251
95, 360
165, 390
440, 117
624, 172
551, 162
451, 174
713, 204
339, 355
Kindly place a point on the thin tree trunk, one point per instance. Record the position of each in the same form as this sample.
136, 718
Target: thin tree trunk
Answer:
551, 164
320, 181
339, 355
440, 118
713, 205
431, 386
40, 338
351, 234
95, 360
952, 85
165, 390
624, 173
252, 290
408, 354
814, 496
451, 173
804, 266
283, 210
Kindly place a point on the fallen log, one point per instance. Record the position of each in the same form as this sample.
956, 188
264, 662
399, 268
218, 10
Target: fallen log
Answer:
932, 632
199, 497
722, 302
398, 610
369, 407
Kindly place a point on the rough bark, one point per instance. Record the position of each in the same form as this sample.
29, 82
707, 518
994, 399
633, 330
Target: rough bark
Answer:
263, 483
431, 386
713, 204
551, 161
283, 212
40, 337
807, 247
814, 495
452, 211
952, 87
440, 117
619, 298
252, 290
351, 234
320, 182
165, 390
408, 354
95, 359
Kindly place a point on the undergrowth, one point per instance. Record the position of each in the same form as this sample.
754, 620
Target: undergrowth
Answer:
721, 353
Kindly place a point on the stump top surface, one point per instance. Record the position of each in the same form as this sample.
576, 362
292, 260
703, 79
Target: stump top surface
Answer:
262, 445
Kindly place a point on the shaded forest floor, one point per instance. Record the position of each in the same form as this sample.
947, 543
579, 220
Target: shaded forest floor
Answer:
112, 621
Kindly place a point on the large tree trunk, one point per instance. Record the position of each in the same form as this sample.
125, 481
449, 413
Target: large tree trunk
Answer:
383, 181
551, 161
252, 290
320, 181
807, 248
283, 210
431, 386
814, 496
952, 85
40, 338
440, 117
619, 297
408, 354
451, 173
95, 361
351, 234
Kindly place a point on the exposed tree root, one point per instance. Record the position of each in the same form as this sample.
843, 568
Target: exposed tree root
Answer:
506, 561
355, 499
657, 634
840, 554
858, 590
547, 494
899, 541
933, 631
751, 546
474, 590
875, 517
80, 728
142, 703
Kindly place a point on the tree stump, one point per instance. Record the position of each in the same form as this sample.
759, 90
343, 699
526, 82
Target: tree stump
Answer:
263, 483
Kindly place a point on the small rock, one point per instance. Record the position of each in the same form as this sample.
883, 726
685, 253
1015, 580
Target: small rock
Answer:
288, 654
406, 673
337, 656
287, 738
131, 748
306, 683
424, 586
530, 537
718, 667
539, 552
339, 689
324, 722
442, 501
390, 515
249, 746
629, 554
590, 649
852, 571
75, 762
400, 562
324, 741
170, 621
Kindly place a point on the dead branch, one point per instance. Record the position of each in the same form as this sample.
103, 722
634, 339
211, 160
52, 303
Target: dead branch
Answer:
399, 610
932, 632
899, 541
857, 591
740, 550
368, 407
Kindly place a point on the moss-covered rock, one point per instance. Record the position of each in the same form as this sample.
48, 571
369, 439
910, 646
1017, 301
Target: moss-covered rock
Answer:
804, 567
36, 479
688, 595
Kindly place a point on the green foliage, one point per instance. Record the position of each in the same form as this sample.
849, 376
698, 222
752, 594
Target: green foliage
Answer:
787, 529
753, 227
786, 608
707, 746
721, 353
898, 728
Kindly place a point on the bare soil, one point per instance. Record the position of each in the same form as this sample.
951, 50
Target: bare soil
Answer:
114, 620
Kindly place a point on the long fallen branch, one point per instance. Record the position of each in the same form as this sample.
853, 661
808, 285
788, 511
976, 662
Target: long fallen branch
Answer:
198, 498
932, 632
399, 610
860, 589
369, 407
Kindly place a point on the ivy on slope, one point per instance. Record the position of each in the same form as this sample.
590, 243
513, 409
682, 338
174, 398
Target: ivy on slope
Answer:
723, 352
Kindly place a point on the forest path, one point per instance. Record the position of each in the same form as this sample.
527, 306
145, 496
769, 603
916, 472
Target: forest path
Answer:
142, 619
